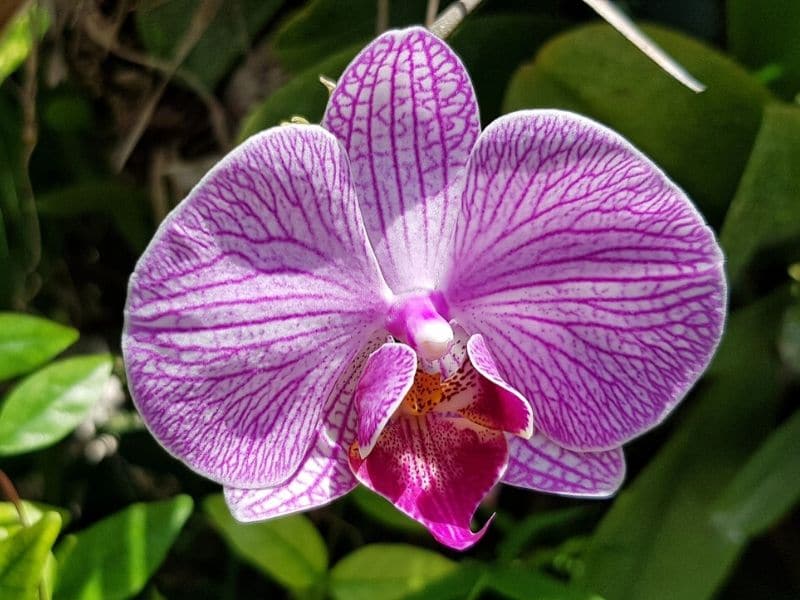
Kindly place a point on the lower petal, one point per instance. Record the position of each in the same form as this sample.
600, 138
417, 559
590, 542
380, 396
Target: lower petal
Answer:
324, 475
437, 470
388, 375
542, 465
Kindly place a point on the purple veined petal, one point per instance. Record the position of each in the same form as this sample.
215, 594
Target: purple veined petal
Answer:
505, 408
436, 470
324, 474
542, 465
255, 295
388, 376
596, 283
406, 113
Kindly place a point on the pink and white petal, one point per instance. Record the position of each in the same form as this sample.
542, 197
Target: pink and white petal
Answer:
253, 298
542, 465
324, 474
406, 113
499, 406
436, 470
388, 376
595, 281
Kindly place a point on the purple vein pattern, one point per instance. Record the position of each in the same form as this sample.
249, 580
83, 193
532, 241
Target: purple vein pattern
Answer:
541, 465
324, 475
563, 294
406, 113
387, 378
248, 306
598, 287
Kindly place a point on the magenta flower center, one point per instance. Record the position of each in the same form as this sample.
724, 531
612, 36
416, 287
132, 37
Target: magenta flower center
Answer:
418, 321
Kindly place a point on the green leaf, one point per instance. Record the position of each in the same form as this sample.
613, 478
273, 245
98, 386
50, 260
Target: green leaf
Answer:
762, 228
386, 572
17, 39
114, 558
27, 342
382, 511
9, 517
532, 529
765, 489
789, 340
19, 242
326, 27
464, 581
162, 24
126, 205
46, 406
304, 95
660, 539
23, 557
288, 549
701, 140
520, 583
765, 36
490, 64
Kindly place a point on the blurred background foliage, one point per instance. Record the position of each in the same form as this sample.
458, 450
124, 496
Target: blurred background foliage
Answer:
110, 111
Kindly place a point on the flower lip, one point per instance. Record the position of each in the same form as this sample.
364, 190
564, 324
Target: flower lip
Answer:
419, 320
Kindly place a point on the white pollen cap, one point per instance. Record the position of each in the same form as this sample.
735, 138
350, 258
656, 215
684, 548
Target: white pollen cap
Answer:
433, 339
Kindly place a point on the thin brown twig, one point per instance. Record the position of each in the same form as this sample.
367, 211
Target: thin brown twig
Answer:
10, 493
382, 18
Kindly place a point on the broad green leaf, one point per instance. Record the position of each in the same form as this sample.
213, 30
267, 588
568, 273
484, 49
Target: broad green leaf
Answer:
660, 539
27, 342
523, 583
491, 64
9, 517
10, 524
288, 549
162, 24
304, 95
24, 555
766, 488
789, 340
46, 406
466, 580
765, 35
126, 205
386, 572
763, 223
114, 559
701, 140
17, 39
382, 511
19, 242
532, 529
326, 27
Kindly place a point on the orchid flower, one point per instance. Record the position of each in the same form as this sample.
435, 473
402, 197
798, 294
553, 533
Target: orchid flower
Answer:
396, 299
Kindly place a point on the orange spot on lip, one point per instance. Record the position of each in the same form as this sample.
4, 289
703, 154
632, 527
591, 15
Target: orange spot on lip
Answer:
424, 394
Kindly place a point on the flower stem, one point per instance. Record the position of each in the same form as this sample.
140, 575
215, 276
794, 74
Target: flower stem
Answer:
452, 16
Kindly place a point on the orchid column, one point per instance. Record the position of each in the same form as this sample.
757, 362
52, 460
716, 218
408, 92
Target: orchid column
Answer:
397, 299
